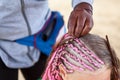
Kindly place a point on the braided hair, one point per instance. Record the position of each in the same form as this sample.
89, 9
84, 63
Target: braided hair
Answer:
85, 53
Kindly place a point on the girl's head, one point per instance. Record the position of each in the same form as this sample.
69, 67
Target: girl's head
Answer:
89, 57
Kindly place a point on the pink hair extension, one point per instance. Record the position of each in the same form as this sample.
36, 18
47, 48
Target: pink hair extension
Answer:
80, 61
83, 55
71, 49
84, 47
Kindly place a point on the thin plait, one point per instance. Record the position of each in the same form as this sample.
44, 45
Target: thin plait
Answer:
115, 75
66, 52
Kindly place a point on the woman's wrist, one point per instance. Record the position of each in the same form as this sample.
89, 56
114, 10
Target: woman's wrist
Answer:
84, 6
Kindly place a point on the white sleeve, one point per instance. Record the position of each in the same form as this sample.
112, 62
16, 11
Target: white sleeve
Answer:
75, 2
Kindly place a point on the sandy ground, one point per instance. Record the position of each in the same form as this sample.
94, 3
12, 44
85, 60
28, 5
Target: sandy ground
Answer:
106, 19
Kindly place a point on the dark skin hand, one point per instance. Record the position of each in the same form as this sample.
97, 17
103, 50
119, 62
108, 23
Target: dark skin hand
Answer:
80, 21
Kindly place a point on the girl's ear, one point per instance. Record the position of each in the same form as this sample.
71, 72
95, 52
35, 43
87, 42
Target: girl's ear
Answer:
62, 71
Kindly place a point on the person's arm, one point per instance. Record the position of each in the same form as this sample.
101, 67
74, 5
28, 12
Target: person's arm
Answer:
80, 20
76, 2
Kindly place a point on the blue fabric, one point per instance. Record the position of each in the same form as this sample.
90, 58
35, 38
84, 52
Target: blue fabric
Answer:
44, 46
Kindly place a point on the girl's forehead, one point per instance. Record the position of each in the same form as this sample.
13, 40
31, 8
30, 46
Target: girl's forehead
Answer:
103, 74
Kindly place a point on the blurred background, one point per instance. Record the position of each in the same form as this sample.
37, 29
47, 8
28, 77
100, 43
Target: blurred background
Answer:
106, 17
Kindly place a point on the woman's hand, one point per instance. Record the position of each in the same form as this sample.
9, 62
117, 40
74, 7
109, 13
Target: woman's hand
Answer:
80, 21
